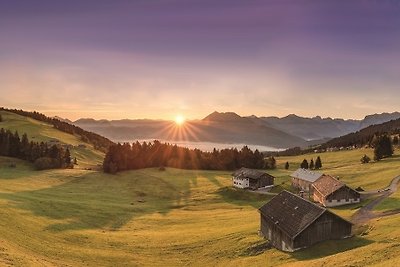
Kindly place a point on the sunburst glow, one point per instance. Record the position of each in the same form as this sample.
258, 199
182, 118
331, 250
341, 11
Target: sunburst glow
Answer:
179, 120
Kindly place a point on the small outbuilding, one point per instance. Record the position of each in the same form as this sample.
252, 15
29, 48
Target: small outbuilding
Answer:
291, 223
253, 179
303, 179
331, 192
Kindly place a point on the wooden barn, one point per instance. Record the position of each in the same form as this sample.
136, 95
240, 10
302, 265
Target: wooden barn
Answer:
253, 179
291, 223
303, 179
331, 192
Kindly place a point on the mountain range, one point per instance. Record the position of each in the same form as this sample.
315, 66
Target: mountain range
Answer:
229, 127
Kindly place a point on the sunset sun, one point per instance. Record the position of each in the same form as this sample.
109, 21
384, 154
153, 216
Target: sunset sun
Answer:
179, 120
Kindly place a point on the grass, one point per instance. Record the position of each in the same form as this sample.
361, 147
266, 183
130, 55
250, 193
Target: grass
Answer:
152, 217
174, 217
347, 167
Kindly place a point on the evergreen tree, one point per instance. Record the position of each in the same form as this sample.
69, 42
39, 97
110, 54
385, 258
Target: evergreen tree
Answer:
312, 166
287, 165
25, 147
270, 163
304, 164
382, 147
318, 163
1, 118
395, 140
67, 158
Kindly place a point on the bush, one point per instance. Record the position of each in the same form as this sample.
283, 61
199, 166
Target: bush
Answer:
365, 159
44, 163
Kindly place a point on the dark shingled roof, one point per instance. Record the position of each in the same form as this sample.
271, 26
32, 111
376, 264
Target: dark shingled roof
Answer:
291, 213
249, 173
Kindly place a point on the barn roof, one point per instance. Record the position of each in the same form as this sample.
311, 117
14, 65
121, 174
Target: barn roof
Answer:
327, 184
306, 175
249, 173
291, 213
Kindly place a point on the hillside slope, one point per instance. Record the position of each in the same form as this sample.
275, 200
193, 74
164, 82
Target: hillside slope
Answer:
38, 131
364, 136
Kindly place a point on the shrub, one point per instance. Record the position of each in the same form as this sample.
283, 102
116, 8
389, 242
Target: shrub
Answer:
365, 159
44, 163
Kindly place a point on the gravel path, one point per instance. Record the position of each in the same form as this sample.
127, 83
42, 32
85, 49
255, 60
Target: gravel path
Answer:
366, 213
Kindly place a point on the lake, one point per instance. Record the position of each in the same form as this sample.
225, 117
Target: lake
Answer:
209, 146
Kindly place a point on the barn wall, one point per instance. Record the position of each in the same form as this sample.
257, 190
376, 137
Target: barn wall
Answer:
343, 196
301, 184
240, 183
266, 180
277, 238
326, 227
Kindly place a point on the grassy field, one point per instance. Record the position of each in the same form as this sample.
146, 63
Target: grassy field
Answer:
151, 217
174, 217
39, 131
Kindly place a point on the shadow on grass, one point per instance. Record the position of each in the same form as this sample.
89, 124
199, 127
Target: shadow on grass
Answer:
242, 197
257, 249
331, 247
98, 200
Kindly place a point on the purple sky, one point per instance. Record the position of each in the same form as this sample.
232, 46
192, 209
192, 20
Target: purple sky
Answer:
156, 59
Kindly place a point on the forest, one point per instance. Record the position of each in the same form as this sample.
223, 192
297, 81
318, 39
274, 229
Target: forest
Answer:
99, 142
41, 154
121, 157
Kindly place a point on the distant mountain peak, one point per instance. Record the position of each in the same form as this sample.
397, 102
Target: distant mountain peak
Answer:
62, 119
292, 116
223, 116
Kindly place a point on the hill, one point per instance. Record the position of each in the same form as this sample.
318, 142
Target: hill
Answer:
173, 218
39, 131
364, 136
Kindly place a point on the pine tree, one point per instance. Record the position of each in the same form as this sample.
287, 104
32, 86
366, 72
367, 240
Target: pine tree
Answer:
1, 118
304, 164
287, 165
395, 140
318, 163
312, 164
67, 158
382, 147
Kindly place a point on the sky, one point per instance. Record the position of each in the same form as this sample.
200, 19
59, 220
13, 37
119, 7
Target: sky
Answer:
157, 59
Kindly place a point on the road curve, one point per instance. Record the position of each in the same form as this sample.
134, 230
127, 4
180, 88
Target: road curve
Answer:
366, 213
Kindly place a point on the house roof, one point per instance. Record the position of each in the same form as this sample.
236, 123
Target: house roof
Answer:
291, 213
249, 173
306, 175
327, 184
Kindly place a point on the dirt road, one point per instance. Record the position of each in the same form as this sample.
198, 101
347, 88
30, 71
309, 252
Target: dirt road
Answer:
366, 213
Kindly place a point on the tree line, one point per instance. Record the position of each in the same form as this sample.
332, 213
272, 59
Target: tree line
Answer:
99, 142
121, 157
41, 154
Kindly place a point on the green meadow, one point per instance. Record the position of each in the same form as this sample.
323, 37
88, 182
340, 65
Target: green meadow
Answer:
79, 217
38, 131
